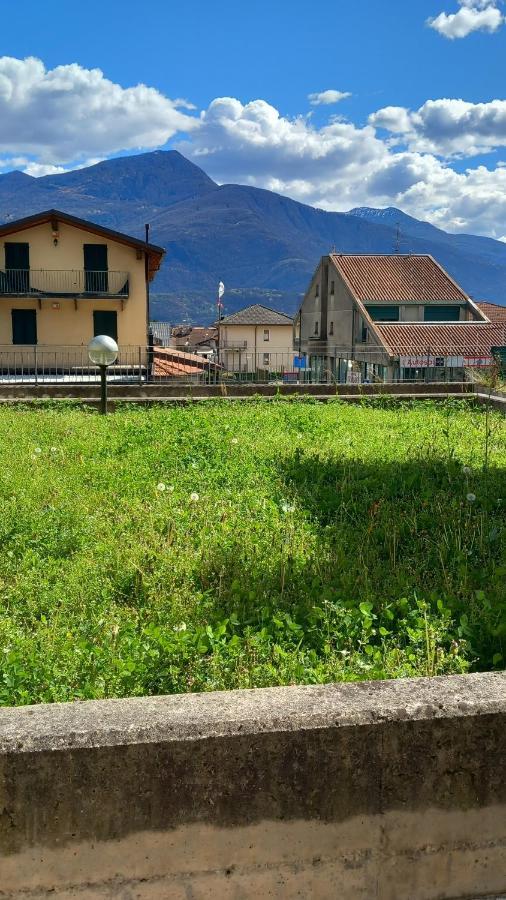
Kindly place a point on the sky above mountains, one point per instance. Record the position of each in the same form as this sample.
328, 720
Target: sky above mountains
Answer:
331, 103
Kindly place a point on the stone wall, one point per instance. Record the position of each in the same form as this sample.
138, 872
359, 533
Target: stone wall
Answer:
372, 790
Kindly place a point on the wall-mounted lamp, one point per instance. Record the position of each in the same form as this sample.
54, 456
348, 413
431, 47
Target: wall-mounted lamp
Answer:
55, 232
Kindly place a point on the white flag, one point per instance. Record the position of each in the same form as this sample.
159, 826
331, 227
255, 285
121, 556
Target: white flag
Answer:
221, 290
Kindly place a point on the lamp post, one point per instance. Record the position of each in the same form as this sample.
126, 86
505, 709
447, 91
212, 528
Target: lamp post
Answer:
103, 351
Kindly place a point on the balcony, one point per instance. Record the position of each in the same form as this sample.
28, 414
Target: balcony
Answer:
61, 283
234, 345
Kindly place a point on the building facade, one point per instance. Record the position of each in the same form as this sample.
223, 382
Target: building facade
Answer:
390, 317
64, 280
256, 339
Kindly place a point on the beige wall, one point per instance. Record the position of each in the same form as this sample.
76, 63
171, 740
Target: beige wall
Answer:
250, 357
69, 325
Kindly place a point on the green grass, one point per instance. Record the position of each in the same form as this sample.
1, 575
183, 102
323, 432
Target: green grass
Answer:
328, 542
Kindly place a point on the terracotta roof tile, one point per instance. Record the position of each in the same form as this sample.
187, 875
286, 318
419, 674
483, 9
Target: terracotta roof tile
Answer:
397, 278
175, 363
257, 315
493, 311
456, 339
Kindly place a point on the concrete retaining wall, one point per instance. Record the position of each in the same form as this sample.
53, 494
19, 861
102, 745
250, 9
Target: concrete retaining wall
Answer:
374, 790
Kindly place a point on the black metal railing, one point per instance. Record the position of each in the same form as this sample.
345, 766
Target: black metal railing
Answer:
63, 283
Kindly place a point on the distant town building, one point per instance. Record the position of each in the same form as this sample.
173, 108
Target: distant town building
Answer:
255, 339
391, 317
195, 339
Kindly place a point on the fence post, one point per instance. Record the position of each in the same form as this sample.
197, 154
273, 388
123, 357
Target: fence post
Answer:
140, 365
35, 363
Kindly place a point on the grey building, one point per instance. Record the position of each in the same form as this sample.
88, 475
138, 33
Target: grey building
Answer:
390, 317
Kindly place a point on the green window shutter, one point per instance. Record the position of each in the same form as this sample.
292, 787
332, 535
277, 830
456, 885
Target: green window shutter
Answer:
383, 313
441, 313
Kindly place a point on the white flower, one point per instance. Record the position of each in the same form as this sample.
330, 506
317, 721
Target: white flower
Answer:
194, 465
300, 435
235, 441
471, 498
194, 497
54, 449
160, 486
286, 507
181, 627
466, 470
37, 450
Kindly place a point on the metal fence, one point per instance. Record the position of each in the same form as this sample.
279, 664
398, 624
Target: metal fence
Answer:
140, 364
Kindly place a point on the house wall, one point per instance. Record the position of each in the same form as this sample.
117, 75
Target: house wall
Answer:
68, 325
250, 357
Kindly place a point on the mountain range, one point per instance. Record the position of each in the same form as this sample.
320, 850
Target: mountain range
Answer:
264, 246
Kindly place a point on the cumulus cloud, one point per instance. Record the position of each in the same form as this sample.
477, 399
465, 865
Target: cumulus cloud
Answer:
67, 113
71, 116
340, 165
325, 98
473, 15
447, 127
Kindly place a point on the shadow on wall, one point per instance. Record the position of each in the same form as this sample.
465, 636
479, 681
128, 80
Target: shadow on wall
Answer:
392, 547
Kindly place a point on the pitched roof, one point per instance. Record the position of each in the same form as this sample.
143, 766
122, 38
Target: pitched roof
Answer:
397, 278
493, 311
175, 363
155, 253
456, 339
257, 315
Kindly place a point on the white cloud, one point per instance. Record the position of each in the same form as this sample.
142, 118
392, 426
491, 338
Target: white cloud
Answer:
325, 98
341, 165
71, 116
473, 15
447, 127
67, 113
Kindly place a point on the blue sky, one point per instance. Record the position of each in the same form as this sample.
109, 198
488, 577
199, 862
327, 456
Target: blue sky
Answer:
424, 127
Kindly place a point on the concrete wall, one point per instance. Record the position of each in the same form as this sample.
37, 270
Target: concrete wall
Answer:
69, 325
374, 790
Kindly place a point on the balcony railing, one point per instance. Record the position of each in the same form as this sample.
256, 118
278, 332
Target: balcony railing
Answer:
63, 283
234, 345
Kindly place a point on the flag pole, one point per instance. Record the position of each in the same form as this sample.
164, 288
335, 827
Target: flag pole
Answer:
219, 303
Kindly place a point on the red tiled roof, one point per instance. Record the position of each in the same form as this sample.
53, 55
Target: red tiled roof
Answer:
457, 339
175, 363
397, 278
493, 311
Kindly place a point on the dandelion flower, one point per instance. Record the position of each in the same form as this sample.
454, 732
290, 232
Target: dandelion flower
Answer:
286, 507
466, 470
471, 498
235, 441
194, 497
160, 486
54, 449
37, 450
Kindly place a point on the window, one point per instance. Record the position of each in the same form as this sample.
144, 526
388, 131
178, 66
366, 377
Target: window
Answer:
332, 288
441, 313
364, 334
331, 328
317, 290
17, 266
383, 313
96, 280
105, 322
266, 359
266, 334
24, 326
316, 328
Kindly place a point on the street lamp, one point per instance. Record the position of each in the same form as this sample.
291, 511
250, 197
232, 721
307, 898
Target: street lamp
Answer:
103, 351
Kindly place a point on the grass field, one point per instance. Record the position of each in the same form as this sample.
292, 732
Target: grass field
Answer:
240, 545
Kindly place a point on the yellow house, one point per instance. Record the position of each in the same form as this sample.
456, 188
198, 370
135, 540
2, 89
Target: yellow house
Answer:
64, 280
256, 339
